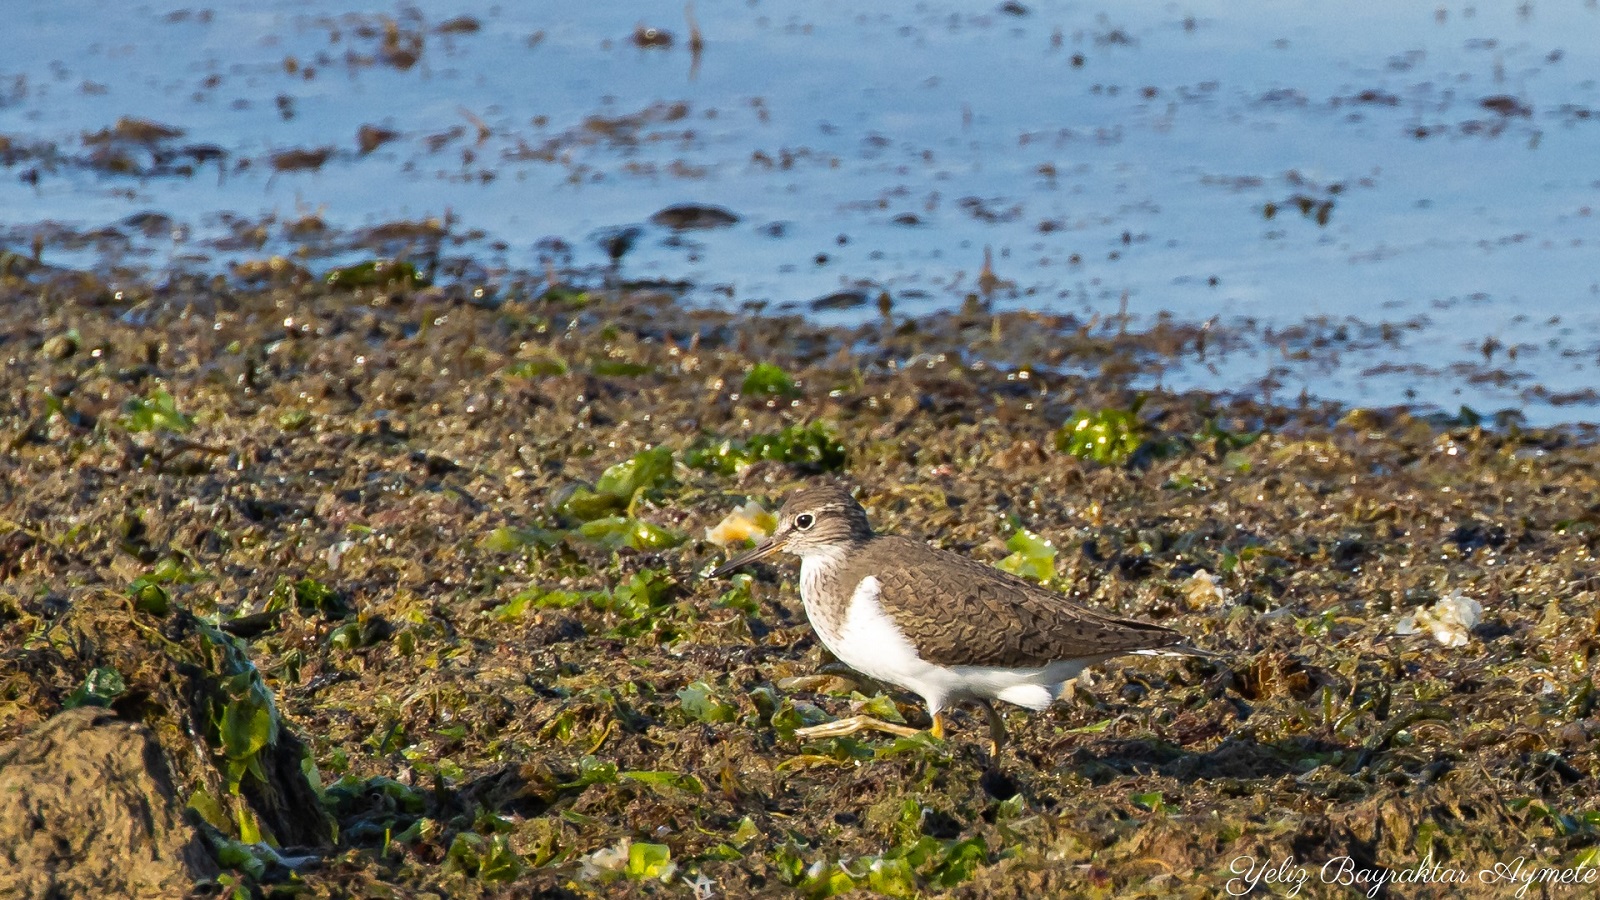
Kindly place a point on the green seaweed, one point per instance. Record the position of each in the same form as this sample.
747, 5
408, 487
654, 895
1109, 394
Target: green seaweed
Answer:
621, 486
294, 419
536, 597
102, 686
677, 781
768, 380
491, 859
646, 861
638, 599
641, 595
538, 367
157, 411
644, 471
699, 703
1031, 556
811, 446
618, 532
149, 590
1154, 801
592, 771
1107, 436
905, 870
620, 368
307, 595
879, 706
375, 273
564, 295
958, 861
507, 539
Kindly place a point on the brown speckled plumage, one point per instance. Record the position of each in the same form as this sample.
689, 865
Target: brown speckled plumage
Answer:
961, 612
955, 610
950, 628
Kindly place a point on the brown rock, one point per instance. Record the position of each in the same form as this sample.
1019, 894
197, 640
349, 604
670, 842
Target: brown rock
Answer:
693, 217
87, 809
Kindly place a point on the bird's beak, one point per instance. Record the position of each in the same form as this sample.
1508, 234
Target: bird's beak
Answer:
760, 551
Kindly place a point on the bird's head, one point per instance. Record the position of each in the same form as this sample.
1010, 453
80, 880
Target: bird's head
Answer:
814, 521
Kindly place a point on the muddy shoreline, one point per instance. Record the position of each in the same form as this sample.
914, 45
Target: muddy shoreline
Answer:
463, 539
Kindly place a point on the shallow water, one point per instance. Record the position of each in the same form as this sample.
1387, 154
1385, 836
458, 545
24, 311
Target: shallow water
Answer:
1431, 167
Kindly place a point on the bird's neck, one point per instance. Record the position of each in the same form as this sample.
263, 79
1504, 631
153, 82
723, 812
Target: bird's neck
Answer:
823, 590
822, 559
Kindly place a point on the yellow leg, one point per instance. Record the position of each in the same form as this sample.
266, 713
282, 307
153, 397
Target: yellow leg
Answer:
997, 730
938, 726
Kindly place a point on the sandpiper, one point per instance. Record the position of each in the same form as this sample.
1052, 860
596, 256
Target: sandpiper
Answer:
944, 626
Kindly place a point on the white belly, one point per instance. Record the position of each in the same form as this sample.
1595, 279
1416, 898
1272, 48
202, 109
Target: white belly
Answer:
870, 642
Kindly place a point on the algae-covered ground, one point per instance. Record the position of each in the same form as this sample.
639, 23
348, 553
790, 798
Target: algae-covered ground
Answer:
463, 538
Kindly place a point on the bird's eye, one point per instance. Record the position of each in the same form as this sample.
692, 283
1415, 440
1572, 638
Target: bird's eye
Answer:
804, 521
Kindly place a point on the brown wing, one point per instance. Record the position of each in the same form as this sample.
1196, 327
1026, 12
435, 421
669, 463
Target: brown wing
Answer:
959, 611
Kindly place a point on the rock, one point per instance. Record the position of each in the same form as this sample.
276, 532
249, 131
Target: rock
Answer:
618, 241
693, 217
88, 809
60, 346
1506, 106
840, 300
371, 137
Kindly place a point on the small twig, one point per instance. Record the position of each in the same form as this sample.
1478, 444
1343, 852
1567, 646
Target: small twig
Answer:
605, 733
181, 445
10, 525
484, 131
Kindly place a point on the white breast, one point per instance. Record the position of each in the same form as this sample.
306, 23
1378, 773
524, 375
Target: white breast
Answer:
872, 644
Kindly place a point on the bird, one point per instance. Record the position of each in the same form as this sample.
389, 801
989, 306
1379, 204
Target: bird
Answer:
939, 624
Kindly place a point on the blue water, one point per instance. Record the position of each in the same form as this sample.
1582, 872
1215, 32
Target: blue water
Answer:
1146, 139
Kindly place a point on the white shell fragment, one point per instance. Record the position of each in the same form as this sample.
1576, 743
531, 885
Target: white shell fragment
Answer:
750, 521
1450, 621
1204, 590
606, 859
608, 862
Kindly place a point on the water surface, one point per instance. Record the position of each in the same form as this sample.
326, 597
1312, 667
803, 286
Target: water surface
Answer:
1393, 202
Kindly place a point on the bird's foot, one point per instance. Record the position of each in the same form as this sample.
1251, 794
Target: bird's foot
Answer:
853, 724
997, 732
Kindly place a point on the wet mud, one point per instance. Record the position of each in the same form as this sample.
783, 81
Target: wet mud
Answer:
459, 538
